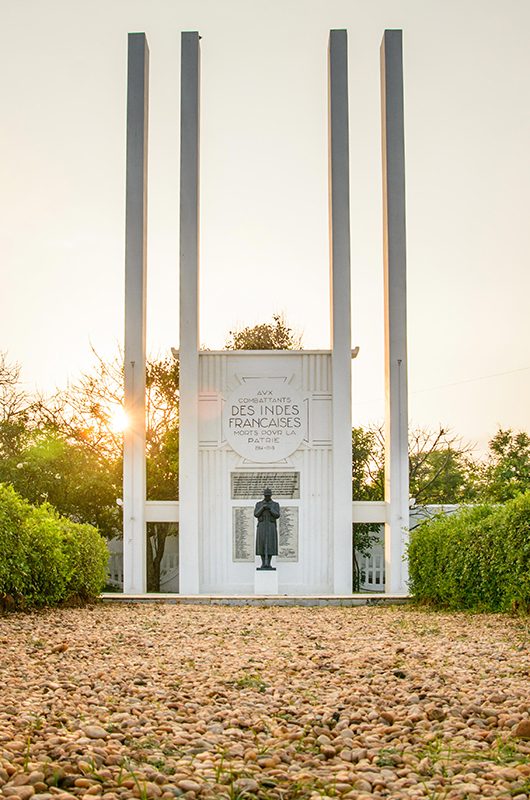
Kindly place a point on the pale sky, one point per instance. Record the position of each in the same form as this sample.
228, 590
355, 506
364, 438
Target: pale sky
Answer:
264, 215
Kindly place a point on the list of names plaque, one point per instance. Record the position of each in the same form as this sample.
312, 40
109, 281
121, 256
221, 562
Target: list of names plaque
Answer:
250, 485
243, 533
288, 534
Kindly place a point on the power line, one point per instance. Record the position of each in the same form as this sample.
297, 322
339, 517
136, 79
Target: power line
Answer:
454, 383
471, 380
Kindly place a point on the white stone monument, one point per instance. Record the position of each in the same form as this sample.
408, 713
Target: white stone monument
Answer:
250, 419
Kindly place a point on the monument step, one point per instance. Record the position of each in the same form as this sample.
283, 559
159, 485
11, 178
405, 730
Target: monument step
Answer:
258, 600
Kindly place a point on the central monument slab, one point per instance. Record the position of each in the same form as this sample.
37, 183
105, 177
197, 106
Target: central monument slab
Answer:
246, 398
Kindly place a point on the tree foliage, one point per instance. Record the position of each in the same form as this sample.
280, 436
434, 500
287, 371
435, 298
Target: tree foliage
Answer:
368, 464
15, 414
506, 473
441, 469
48, 467
85, 413
64, 450
366, 477
275, 335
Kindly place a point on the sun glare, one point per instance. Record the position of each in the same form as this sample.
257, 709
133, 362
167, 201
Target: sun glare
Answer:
118, 420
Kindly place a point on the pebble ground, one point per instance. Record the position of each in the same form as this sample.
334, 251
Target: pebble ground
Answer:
152, 701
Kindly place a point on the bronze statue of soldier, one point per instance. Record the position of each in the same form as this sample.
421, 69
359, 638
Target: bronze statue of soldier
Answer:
267, 512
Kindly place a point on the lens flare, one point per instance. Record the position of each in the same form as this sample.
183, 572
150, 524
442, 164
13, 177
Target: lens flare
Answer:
118, 420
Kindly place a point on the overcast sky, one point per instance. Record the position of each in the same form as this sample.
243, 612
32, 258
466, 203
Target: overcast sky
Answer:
264, 215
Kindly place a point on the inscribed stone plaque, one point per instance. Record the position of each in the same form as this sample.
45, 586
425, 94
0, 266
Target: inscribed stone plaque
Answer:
250, 485
243, 533
288, 534
264, 420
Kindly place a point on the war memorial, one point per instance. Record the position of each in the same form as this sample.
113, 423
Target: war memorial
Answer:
251, 420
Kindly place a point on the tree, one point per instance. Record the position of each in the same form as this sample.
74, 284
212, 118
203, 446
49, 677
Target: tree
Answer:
14, 413
275, 335
507, 471
67, 451
367, 464
49, 468
44, 465
14, 401
367, 484
162, 443
86, 412
162, 434
441, 469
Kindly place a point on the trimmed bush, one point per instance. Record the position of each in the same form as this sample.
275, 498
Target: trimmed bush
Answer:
13, 568
87, 555
477, 559
46, 559
515, 521
47, 568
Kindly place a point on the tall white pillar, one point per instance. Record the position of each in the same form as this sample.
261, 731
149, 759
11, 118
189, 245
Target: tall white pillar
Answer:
339, 210
189, 315
134, 574
395, 274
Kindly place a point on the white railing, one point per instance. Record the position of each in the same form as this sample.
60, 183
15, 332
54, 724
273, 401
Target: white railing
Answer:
373, 571
372, 567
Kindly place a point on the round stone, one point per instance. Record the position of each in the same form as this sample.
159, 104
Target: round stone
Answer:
95, 732
522, 730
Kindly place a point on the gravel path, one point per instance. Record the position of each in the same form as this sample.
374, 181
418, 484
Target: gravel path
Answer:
157, 701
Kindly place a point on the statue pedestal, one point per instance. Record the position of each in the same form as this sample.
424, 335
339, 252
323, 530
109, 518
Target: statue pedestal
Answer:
265, 581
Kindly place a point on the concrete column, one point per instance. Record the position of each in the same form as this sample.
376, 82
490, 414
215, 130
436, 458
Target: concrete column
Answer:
395, 275
134, 573
189, 315
339, 211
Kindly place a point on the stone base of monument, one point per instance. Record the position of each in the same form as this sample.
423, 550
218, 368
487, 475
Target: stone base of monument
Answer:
265, 581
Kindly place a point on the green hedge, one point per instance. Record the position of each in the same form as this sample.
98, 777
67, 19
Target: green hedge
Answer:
46, 559
476, 559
